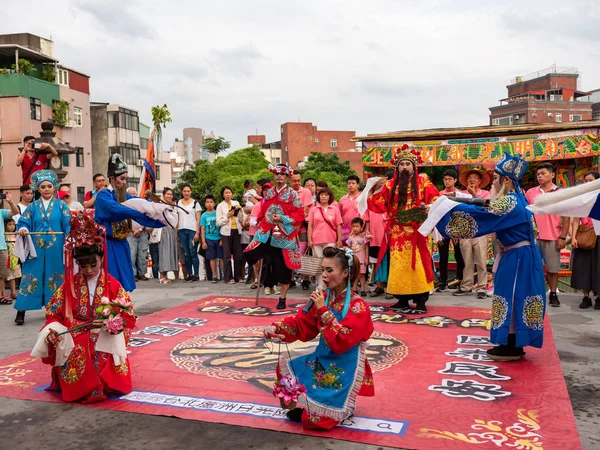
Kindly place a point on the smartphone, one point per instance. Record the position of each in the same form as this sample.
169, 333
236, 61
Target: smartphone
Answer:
2, 196
37, 146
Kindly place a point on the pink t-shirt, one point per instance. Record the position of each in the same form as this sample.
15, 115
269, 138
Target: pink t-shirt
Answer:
306, 198
254, 217
548, 224
376, 227
349, 209
322, 233
481, 193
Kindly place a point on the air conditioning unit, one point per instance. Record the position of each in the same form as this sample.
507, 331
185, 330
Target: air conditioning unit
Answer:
70, 124
517, 117
534, 114
549, 114
140, 163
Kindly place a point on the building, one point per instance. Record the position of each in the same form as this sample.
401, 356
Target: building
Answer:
300, 139
51, 91
115, 129
572, 147
162, 163
271, 150
547, 96
178, 161
193, 140
594, 98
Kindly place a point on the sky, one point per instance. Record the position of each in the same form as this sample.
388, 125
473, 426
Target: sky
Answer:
241, 67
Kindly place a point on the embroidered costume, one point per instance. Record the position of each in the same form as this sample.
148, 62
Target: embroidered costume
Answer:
44, 274
337, 370
410, 263
87, 364
519, 302
116, 219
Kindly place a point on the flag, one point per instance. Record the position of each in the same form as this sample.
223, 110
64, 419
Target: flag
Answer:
576, 201
148, 176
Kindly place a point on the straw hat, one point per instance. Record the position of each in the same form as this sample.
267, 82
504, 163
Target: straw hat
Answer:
463, 176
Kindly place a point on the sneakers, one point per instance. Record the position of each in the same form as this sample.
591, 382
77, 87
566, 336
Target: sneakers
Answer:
363, 294
459, 292
481, 295
305, 285
281, 304
215, 280
276, 290
267, 291
553, 300
586, 303
441, 287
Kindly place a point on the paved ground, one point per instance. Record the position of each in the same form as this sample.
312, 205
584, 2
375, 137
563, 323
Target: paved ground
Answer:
40, 425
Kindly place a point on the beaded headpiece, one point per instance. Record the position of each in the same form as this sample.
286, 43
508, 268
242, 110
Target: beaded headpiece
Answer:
280, 168
406, 153
511, 166
41, 176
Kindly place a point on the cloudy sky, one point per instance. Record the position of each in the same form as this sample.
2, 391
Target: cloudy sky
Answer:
235, 67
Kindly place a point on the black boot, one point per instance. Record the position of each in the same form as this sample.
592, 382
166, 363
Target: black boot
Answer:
509, 352
553, 300
20, 319
295, 415
402, 305
281, 304
586, 303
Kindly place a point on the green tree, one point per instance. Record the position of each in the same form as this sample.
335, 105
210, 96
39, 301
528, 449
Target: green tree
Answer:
216, 145
330, 169
25, 67
161, 116
232, 170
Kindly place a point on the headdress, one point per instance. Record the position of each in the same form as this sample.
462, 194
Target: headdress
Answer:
463, 176
350, 257
116, 166
84, 231
280, 168
406, 153
41, 176
511, 166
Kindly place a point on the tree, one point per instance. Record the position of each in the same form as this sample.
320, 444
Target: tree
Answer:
232, 170
330, 169
160, 117
216, 145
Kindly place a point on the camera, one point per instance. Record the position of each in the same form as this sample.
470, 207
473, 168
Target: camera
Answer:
37, 146
2, 196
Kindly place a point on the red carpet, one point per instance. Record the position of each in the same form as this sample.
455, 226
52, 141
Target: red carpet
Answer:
206, 360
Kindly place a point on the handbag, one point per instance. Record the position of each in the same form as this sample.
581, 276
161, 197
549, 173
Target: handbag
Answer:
311, 265
586, 237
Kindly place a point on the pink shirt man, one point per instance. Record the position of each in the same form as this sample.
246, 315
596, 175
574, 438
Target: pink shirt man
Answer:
376, 227
307, 200
481, 193
548, 224
322, 232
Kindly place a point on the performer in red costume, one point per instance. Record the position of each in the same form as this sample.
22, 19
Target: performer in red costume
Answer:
337, 370
81, 372
280, 216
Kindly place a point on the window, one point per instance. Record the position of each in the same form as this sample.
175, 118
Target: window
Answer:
80, 194
317, 140
596, 116
558, 117
78, 114
113, 119
35, 108
575, 117
128, 119
144, 143
65, 160
62, 77
277, 160
333, 143
157, 171
79, 156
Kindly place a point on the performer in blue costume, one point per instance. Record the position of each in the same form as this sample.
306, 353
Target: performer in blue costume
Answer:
117, 221
519, 303
44, 274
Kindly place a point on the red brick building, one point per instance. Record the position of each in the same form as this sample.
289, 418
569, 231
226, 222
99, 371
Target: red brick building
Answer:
300, 139
550, 95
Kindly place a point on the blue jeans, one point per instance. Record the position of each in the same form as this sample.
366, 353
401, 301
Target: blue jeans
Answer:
186, 237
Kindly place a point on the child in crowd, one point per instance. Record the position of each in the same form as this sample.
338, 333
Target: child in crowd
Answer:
14, 268
211, 237
244, 218
251, 197
359, 243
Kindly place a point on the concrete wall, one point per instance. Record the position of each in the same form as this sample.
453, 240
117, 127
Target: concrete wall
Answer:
78, 137
26, 86
99, 119
197, 137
